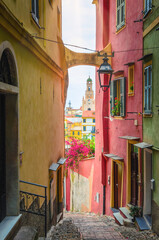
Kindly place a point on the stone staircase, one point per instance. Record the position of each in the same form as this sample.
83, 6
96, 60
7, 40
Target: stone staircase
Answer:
122, 216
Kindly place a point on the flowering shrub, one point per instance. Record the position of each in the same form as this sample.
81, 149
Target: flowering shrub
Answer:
116, 108
79, 149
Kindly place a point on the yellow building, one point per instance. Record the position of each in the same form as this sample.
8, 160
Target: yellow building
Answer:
76, 130
88, 124
32, 90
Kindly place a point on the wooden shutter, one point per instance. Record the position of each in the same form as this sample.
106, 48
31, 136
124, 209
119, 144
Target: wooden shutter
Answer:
111, 96
122, 97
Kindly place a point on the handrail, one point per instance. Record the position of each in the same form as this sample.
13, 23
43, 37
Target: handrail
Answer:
35, 184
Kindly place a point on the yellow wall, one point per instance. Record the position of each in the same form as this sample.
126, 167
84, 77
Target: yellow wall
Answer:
41, 86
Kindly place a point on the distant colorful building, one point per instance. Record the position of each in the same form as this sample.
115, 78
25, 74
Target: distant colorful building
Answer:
88, 124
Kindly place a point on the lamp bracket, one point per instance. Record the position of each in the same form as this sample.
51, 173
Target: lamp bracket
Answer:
105, 55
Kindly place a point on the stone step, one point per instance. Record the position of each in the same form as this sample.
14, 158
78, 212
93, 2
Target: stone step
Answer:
128, 223
118, 218
26, 233
125, 212
148, 220
43, 238
141, 223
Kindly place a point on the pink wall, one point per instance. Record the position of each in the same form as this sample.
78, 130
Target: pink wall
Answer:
108, 132
86, 168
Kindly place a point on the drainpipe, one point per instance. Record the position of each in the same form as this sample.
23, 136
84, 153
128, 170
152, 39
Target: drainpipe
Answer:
103, 199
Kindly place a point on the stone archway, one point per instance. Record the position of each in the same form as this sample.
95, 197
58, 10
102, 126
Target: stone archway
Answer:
9, 157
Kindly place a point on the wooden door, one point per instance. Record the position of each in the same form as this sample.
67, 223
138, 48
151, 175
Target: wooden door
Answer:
134, 173
116, 185
2, 159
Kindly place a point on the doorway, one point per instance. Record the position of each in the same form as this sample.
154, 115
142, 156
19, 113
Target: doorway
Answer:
147, 181
134, 175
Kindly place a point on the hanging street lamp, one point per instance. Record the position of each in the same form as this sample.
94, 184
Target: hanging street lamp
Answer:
105, 68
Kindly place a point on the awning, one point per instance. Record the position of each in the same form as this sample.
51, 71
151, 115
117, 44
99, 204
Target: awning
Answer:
144, 57
143, 145
61, 161
129, 138
114, 157
109, 155
129, 63
54, 167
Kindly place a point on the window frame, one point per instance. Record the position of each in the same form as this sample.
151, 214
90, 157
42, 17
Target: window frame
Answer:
34, 12
131, 80
147, 7
119, 22
147, 93
118, 90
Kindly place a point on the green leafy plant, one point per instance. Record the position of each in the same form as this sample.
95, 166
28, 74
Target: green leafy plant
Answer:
132, 88
116, 108
135, 211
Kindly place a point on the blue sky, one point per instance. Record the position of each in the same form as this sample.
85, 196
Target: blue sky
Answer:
78, 27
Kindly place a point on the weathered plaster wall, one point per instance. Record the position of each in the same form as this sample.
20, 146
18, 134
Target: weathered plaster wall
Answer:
79, 185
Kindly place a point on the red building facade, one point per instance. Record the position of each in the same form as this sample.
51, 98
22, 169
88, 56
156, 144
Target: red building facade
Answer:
118, 177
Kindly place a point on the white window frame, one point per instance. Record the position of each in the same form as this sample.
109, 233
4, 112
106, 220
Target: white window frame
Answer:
120, 7
34, 13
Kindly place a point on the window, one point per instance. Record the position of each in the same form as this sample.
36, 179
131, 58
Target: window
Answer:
117, 97
148, 6
131, 80
73, 133
89, 88
84, 120
78, 133
94, 120
84, 128
148, 89
120, 13
35, 10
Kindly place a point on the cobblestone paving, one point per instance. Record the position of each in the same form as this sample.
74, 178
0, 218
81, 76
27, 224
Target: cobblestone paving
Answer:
93, 227
66, 229
104, 227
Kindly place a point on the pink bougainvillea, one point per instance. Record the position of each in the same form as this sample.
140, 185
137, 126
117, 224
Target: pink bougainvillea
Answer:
78, 150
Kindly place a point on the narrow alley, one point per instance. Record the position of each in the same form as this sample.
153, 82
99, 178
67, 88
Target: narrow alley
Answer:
91, 227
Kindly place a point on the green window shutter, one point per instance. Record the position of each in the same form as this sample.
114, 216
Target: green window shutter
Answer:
122, 97
112, 96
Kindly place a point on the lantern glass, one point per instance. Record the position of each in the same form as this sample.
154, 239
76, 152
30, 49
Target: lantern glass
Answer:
105, 68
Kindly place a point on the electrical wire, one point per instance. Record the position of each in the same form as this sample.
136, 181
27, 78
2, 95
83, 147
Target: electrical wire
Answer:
84, 48
66, 44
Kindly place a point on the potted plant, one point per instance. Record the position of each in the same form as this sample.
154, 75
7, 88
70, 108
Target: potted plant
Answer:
116, 108
135, 211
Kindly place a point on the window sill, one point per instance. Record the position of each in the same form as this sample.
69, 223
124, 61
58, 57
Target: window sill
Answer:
147, 13
130, 94
8, 224
120, 29
118, 117
36, 22
147, 115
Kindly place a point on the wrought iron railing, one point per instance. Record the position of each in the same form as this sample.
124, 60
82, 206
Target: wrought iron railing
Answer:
34, 203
